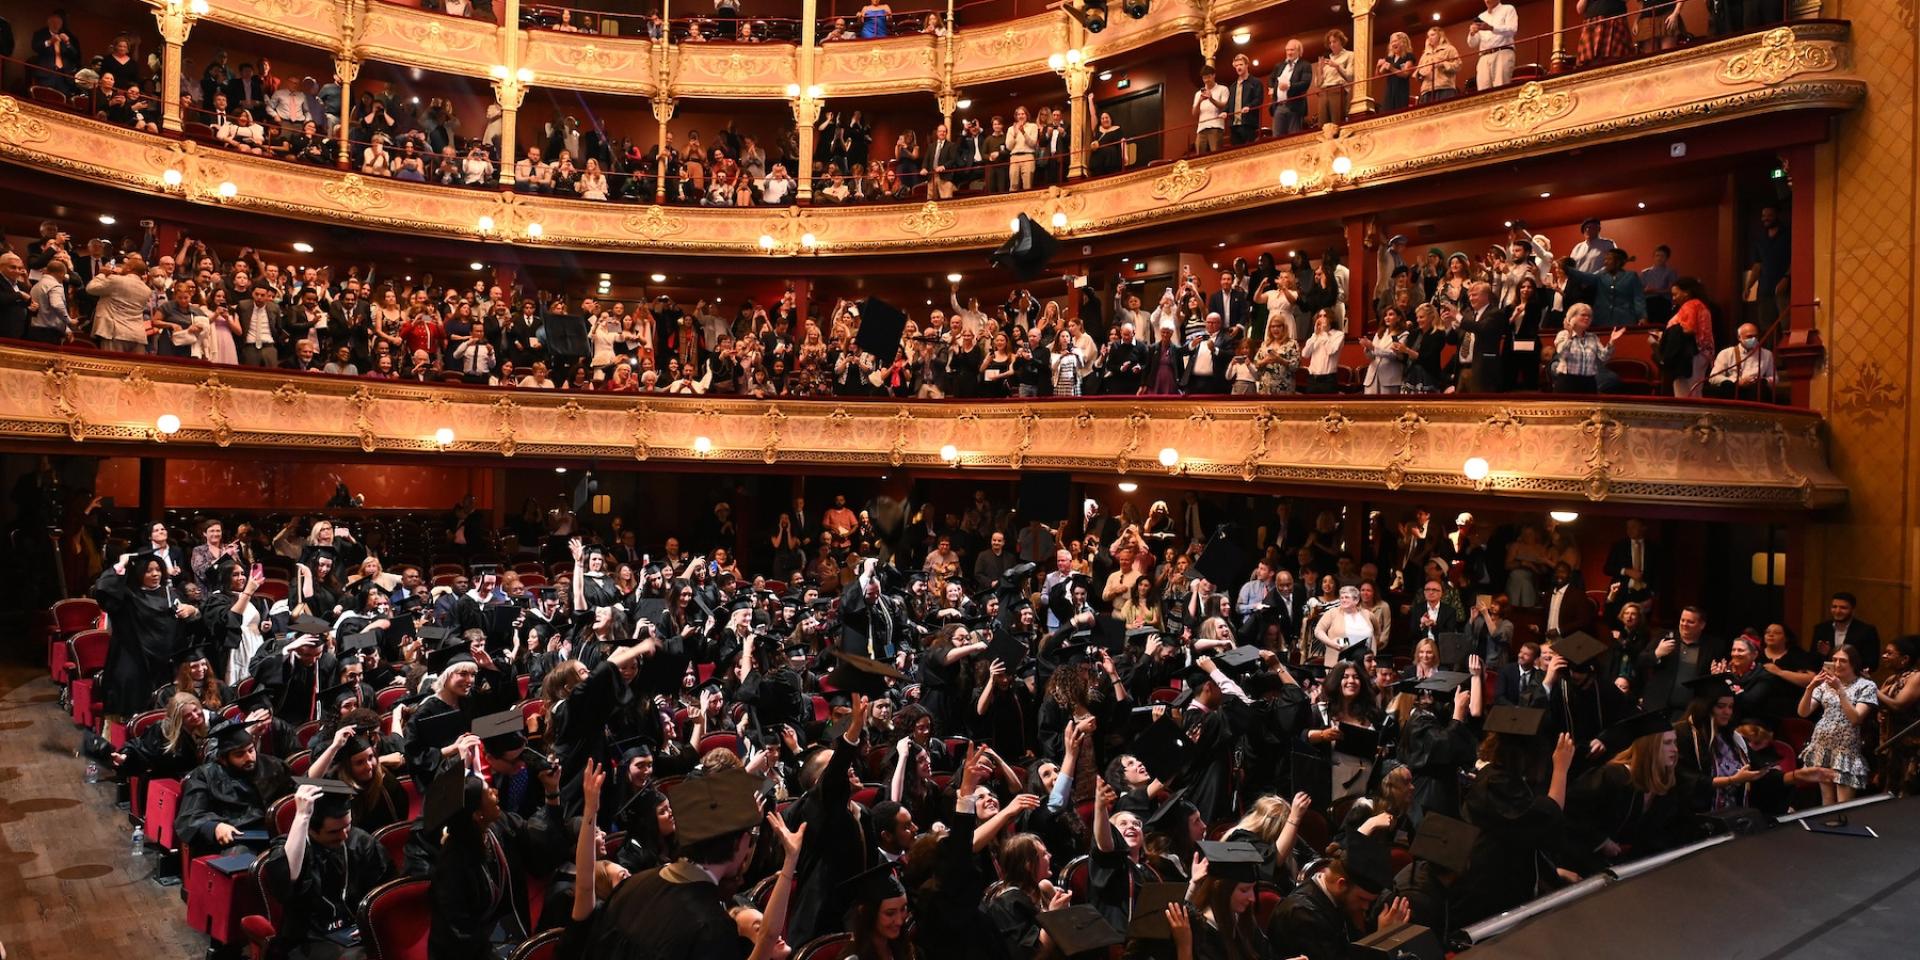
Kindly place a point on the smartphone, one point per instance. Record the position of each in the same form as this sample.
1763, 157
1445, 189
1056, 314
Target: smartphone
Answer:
257, 570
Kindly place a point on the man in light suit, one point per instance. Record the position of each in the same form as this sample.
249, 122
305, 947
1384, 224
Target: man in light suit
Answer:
1290, 81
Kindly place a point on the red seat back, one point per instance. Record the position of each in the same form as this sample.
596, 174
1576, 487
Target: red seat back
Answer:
867, 796
829, 947
393, 838
142, 721
1267, 900
298, 764
544, 945
718, 741
161, 803
73, 615
90, 651
1077, 876
394, 920
282, 816
388, 697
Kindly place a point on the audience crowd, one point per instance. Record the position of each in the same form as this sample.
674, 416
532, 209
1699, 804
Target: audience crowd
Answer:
960, 731
1514, 318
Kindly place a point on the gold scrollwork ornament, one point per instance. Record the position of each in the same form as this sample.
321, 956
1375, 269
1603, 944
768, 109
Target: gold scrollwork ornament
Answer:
1781, 56
1534, 107
928, 220
19, 128
1182, 182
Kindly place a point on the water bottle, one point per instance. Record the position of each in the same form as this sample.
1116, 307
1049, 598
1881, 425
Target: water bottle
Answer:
93, 771
139, 840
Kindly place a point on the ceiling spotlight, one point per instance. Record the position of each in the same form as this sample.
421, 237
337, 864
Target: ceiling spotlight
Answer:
1508, 224
1436, 18
170, 177
443, 436
1475, 468
658, 277
1563, 516
1128, 486
303, 247
1059, 220
167, 424
1242, 37
702, 445
227, 190
559, 469
1169, 456
1222, 244
107, 219
1289, 178
1643, 204
485, 224
963, 103
477, 265
950, 453
1106, 75
1544, 194
535, 230
953, 278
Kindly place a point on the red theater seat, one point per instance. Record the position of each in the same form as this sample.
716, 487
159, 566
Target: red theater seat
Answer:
394, 920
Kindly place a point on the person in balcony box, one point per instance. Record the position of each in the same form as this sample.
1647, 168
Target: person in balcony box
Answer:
1744, 371
531, 174
241, 133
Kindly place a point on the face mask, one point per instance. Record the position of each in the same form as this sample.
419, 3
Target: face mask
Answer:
1749, 343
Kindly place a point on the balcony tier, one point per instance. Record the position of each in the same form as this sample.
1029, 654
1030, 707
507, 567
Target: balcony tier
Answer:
1699, 453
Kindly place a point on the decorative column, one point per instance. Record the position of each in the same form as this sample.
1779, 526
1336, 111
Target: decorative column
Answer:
1360, 98
346, 69
806, 100
948, 97
510, 82
1557, 63
662, 112
1209, 33
1079, 78
662, 102
176, 19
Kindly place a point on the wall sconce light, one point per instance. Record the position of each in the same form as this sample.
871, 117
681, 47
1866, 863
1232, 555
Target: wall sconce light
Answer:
485, 224
702, 445
1769, 569
166, 426
1563, 516
950, 453
1128, 486
171, 178
535, 231
228, 190
1169, 456
443, 437
602, 504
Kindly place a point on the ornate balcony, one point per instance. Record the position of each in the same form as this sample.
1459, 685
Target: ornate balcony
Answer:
1805, 67
1705, 454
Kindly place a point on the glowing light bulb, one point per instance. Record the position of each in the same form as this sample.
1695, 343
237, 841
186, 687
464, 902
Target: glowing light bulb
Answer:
167, 424
1475, 468
443, 436
766, 241
1563, 516
1059, 221
949, 453
1128, 486
228, 190
1289, 178
1342, 165
702, 445
535, 230
485, 224
1169, 456
809, 241
171, 178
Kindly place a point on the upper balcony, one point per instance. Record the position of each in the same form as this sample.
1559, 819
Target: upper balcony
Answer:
1805, 67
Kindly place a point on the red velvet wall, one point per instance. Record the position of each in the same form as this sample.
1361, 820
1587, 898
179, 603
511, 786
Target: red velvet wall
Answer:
253, 485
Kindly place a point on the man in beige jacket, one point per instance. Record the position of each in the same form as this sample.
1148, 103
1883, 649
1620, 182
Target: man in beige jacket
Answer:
120, 308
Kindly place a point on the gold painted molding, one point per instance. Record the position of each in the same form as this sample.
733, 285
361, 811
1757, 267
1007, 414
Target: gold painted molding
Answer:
1659, 451
1671, 92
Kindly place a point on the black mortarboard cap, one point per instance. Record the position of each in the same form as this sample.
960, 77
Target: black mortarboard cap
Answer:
1453, 648
446, 799
1236, 860
192, 654
881, 324
633, 747
259, 698
1150, 910
723, 802
1080, 931
332, 696
229, 735
433, 636
310, 625
501, 732
1518, 721
1358, 741
1007, 648
1016, 573
1368, 865
452, 651
1142, 633
364, 640
1162, 816
1445, 842
1579, 648
1240, 659
336, 797
440, 728
1713, 686
1223, 563
873, 885
1163, 749
1443, 681
858, 674
1619, 735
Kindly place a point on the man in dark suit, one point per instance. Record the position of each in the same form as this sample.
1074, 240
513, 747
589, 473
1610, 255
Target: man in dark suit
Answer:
246, 92
972, 157
1232, 305
1429, 616
1122, 364
1286, 608
1522, 682
1842, 628
1291, 78
1569, 610
1633, 564
261, 332
1682, 656
869, 620
943, 154
1245, 95
1491, 327
1051, 153
14, 296
1207, 359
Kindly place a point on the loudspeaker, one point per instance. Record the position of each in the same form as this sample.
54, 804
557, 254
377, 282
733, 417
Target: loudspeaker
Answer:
1408, 941
1044, 496
1028, 251
881, 324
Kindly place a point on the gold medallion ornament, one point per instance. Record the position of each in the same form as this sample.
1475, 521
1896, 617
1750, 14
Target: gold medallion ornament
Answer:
1781, 56
353, 193
1533, 108
17, 127
654, 224
1182, 182
928, 220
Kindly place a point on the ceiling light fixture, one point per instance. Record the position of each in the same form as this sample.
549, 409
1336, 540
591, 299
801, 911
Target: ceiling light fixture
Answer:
485, 224
170, 177
443, 436
1563, 516
702, 445
227, 190
1059, 221
964, 103
303, 247
1544, 194
950, 453
953, 278
1242, 37
1128, 486
107, 219
477, 265
535, 230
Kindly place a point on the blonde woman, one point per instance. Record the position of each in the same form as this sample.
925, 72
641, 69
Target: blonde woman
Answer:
1397, 68
1335, 73
1273, 824
1439, 68
1278, 357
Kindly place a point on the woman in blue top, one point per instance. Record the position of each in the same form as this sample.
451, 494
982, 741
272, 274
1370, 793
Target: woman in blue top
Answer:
875, 21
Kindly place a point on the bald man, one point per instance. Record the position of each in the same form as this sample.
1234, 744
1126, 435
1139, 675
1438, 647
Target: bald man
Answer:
14, 297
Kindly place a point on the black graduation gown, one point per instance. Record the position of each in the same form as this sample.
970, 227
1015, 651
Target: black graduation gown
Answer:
146, 636
1603, 805
294, 684
214, 794
1518, 828
650, 916
149, 756
1436, 750
1431, 901
1308, 923
1267, 747
215, 689
1209, 778
1015, 917
222, 626
601, 591
424, 744
326, 895
836, 849
478, 881
948, 920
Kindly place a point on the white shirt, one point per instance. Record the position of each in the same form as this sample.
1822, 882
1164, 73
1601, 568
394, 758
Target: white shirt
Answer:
1212, 115
1497, 27
775, 190
1590, 256
1734, 364
259, 332
1322, 352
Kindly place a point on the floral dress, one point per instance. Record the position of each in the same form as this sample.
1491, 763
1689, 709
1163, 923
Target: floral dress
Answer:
1275, 366
1836, 742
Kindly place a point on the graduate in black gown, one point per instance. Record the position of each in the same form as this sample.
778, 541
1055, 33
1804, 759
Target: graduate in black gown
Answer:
170, 748
319, 872
1439, 748
1524, 838
1633, 805
478, 877
150, 620
296, 673
225, 802
587, 700
1332, 906
838, 846
679, 911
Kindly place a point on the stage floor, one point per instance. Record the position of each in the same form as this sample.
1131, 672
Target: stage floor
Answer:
1786, 893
